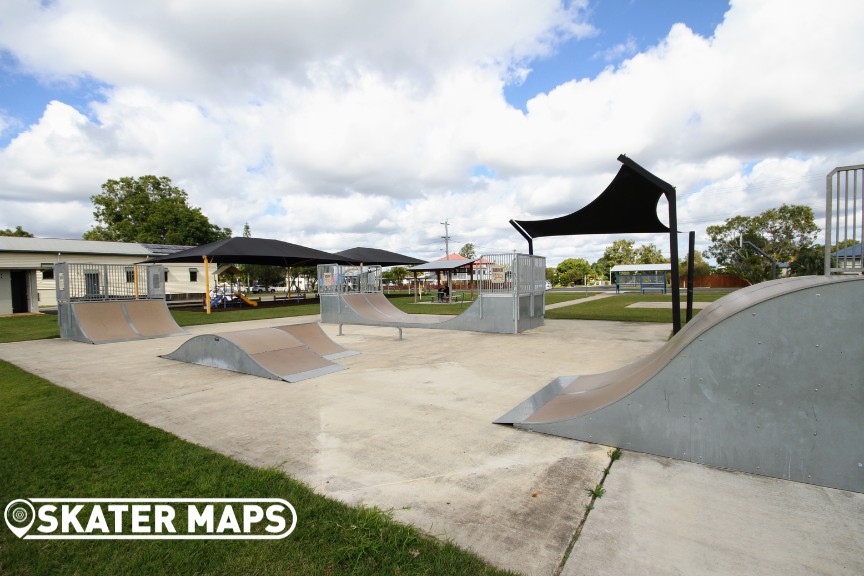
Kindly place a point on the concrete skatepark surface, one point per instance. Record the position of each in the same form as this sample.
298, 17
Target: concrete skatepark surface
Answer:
408, 427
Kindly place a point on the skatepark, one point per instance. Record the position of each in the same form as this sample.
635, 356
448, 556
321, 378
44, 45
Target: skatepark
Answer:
739, 436
408, 426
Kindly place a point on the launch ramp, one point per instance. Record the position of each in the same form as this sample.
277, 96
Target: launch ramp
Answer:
313, 336
266, 352
766, 380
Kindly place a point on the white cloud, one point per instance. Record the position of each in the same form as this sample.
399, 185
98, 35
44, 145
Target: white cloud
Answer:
348, 123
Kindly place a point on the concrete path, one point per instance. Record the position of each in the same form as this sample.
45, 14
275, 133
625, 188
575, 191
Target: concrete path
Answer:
577, 301
408, 427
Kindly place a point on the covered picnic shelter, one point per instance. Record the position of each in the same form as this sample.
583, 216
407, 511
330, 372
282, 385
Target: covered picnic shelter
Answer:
448, 267
641, 276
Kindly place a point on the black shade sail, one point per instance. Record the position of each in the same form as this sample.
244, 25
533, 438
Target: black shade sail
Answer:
628, 205
375, 256
254, 251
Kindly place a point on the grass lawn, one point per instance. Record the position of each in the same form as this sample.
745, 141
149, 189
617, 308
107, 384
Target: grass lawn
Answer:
55, 443
615, 308
558, 297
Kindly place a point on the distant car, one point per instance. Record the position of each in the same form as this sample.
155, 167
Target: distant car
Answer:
258, 289
548, 285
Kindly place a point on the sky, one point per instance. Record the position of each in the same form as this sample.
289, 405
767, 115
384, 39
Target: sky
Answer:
344, 123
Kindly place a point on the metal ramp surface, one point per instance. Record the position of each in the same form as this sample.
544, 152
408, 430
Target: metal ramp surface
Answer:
102, 322
271, 353
766, 380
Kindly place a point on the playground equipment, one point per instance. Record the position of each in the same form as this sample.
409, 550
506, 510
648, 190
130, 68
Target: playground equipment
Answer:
290, 353
766, 380
511, 298
101, 303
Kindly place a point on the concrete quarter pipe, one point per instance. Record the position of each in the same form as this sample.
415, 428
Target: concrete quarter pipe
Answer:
766, 380
272, 353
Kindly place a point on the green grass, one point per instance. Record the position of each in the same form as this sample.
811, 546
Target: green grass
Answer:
20, 328
55, 443
194, 317
615, 308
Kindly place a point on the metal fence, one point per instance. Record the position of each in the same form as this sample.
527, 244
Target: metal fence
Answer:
338, 278
844, 221
511, 273
493, 273
95, 282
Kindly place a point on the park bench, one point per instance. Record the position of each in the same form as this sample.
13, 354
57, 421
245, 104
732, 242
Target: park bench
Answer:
641, 281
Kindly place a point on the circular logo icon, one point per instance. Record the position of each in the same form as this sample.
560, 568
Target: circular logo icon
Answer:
19, 515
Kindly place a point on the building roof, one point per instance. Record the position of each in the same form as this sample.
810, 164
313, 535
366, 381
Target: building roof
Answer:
62, 246
853, 251
642, 267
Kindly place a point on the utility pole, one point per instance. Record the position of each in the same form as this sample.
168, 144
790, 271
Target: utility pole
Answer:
446, 238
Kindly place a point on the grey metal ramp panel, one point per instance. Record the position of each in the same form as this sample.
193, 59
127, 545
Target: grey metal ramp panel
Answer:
218, 352
530, 405
773, 388
311, 334
151, 318
103, 322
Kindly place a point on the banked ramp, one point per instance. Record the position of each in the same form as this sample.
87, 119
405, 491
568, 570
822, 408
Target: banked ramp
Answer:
273, 353
767, 380
499, 313
102, 322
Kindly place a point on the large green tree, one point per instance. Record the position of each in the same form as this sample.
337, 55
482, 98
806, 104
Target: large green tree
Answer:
150, 209
19, 232
573, 271
782, 233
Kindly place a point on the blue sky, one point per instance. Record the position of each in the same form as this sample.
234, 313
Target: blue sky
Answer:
624, 28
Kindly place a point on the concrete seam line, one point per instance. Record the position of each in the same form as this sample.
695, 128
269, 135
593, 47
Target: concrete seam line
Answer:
596, 492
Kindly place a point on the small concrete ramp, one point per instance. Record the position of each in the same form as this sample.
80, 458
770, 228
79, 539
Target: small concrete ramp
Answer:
498, 313
766, 380
313, 336
266, 352
116, 321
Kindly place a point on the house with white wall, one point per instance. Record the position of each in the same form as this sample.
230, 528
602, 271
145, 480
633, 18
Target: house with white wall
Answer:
27, 268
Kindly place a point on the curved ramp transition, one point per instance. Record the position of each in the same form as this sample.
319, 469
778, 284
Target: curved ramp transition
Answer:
767, 380
488, 313
116, 321
266, 352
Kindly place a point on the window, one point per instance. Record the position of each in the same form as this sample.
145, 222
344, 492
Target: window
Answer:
193, 274
166, 275
130, 274
47, 271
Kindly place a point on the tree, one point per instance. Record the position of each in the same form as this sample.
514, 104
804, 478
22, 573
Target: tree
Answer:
809, 262
468, 251
573, 271
18, 232
150, 209
620, 252
782, 233
700, 266
649, 254
247, 232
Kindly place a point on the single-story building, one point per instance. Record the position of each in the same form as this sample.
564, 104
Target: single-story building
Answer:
27, 268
